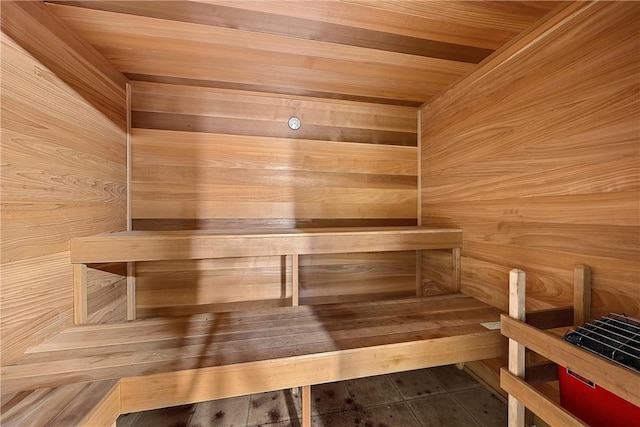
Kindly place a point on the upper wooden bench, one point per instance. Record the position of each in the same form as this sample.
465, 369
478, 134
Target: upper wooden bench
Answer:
132, 246
201, 244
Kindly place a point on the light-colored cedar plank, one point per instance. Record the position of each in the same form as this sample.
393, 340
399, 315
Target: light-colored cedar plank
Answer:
202, 192
618, 380
295, 280
199, 384
151, 209
517, 289
149, 246
131, 291
190, 310
306, 406
151, 146
581, 295
80, 294
546, 409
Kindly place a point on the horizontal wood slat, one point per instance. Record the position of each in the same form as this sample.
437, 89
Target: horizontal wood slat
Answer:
548, 410
310, 29
136, 45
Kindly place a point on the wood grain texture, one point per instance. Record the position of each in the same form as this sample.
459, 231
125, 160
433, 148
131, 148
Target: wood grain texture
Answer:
156, 346
79, 404
136, 246
309, 29
487, 24
63, 170
69, 57
134, 44
536, 156
240, 166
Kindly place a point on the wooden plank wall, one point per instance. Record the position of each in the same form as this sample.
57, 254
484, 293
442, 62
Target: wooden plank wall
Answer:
206, 158
63, 173
537, 157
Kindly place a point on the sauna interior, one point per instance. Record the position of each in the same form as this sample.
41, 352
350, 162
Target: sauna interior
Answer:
510, 128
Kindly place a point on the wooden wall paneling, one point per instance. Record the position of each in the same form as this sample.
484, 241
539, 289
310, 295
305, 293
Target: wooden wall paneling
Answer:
245, 167
535, 155
179, 107
229, 176
333, 278
107, 295
204, 283
62, 174
71, 58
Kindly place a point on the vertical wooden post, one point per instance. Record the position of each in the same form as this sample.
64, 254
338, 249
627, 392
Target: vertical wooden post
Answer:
295, 281
581, 294
131, 291
131, 266
457, 270
517, 287
80, 294
418, 273
306, 406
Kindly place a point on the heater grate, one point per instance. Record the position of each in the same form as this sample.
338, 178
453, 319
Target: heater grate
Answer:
615, 337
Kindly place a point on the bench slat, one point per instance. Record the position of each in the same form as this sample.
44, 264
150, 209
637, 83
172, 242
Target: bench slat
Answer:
65, 405
213, 343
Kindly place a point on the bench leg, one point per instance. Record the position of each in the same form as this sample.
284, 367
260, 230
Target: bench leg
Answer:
131, 291
306, 406
79, 294
457, 270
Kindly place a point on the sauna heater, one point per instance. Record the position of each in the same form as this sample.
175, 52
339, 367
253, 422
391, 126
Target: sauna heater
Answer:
615, 337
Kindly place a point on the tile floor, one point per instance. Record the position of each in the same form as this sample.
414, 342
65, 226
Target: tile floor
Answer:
435, 397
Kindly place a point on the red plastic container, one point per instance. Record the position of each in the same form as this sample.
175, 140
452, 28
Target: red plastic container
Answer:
593, 404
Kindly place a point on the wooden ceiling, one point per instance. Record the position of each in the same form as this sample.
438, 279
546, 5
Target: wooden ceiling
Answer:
393, 52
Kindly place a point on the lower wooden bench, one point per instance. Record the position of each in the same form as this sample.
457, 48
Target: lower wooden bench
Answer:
172, 361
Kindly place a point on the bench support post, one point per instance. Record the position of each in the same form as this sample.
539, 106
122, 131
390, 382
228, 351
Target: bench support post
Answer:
517, 285
295, 281
306, 406
457, 270
581, 295
79, 294
131, 291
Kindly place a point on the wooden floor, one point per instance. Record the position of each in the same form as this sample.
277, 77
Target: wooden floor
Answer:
152, 346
